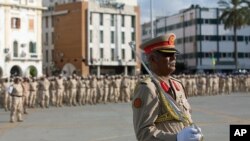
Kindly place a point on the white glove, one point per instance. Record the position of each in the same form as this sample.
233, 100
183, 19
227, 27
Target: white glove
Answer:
189, 134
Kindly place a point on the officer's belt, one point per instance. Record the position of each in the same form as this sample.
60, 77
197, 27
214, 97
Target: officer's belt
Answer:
16, 95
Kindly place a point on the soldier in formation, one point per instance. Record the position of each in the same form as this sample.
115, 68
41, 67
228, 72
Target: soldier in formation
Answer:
75, 90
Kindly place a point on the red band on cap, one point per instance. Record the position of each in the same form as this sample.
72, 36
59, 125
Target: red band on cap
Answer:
148, 49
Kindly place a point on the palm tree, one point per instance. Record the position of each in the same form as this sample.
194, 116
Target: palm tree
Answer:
234, 16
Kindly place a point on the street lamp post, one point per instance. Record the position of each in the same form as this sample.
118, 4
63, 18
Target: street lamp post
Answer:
126, 68
151, 19
118, 6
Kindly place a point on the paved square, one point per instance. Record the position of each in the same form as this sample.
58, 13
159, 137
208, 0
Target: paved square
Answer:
113, 122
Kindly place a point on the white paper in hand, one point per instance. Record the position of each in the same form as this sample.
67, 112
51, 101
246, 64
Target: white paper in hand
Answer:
10, 89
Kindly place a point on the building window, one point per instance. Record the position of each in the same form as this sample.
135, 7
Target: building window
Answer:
15, 49
47, 56
230, 55
112, 54
90, 36
31, 24
133, 21
181, 19
90, 19
101, 36
46, 38
230, 38
53, 54
52, 21
112, 20
52, 37
101, 19
32, 47
123, 54
15, 23
46, 21
31, 1
133, 55
224, 55
91, 55
123, 37
101, 53
132, 36
112, 37
191, 16
123, 21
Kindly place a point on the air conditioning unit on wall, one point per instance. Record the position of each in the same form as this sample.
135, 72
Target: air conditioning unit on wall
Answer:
6, 50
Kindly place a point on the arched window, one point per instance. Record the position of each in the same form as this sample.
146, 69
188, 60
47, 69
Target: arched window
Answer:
15, 49
32, 47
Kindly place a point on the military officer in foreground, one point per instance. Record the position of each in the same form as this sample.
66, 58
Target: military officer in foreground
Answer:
152, 117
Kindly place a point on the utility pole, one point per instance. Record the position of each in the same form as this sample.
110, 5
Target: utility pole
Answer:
151, 19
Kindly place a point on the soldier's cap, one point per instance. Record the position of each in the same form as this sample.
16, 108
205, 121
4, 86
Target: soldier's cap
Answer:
164, 44
17, 78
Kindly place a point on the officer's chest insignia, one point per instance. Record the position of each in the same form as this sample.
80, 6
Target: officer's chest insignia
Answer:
164, 86
137, 103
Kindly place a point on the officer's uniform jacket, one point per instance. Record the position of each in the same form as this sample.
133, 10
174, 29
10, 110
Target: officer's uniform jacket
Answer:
151, 120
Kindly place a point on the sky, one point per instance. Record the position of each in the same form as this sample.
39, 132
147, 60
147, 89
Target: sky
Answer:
170, 7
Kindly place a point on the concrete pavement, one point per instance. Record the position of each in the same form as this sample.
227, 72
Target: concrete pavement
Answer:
113, 122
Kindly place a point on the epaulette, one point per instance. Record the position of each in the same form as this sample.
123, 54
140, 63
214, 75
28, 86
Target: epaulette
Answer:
175, 79
177, 84
146, 80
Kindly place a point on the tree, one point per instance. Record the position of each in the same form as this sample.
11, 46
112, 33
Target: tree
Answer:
235, 14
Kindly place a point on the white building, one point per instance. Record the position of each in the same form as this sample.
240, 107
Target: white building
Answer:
112, 26
202, 40
20, 37
105, 27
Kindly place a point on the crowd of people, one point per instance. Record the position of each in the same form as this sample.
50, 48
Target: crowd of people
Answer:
77, 90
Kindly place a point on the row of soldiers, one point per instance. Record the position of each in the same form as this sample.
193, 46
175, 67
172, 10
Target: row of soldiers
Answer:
73, 90
214, 84
80, 90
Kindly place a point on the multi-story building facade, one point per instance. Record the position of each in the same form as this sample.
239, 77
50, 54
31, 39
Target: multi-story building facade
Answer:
20, 37
202, 40
91, 36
